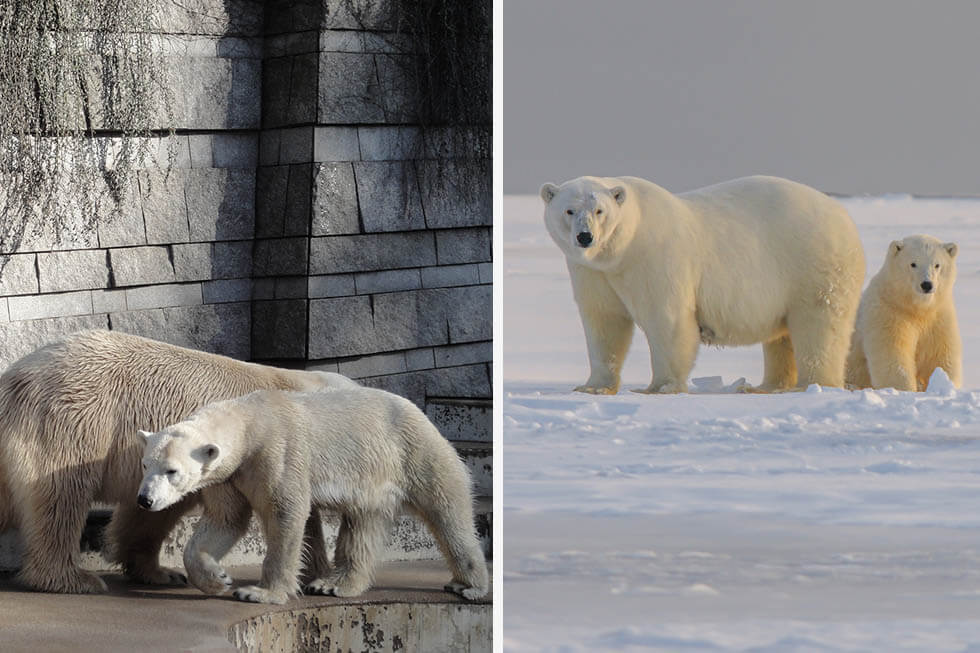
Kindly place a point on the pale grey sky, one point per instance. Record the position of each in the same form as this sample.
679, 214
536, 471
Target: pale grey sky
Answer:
850, 96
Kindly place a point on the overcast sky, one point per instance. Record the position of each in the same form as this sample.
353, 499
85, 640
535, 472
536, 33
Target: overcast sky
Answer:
856, 96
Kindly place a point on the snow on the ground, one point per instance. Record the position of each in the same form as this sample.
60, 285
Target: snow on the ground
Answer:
821, 520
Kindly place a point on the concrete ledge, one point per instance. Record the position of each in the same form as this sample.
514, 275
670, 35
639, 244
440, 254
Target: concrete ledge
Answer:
148, 618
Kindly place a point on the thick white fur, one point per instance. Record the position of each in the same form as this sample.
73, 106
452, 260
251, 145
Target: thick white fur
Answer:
361, 452
759, 259
69, 415
903, 334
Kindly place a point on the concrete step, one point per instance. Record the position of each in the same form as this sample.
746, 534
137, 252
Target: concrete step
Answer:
462, 419
405, 610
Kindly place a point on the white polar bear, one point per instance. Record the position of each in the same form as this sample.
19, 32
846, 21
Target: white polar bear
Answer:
365, 453
758, 259
906, 325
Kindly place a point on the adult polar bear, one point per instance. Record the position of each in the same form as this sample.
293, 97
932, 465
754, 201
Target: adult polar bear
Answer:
69, 419
759, 259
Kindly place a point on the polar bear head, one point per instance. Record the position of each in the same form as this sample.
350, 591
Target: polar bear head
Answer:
177, 461
921, 268
585, 218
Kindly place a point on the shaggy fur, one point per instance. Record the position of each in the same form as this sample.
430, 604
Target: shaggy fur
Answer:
363, 453
753, 260
69, 416
903, 333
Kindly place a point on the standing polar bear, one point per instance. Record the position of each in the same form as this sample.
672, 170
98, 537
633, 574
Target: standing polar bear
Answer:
758, 259
906, 325
364, 453
69, 416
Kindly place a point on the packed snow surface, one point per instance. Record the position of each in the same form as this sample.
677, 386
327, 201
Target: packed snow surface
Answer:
822, 520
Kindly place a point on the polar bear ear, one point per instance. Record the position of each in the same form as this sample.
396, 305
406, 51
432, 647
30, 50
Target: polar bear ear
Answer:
951, 249
548, 192
619, 194
895, 247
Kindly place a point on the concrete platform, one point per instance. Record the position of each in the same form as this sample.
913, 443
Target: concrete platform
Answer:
406, 610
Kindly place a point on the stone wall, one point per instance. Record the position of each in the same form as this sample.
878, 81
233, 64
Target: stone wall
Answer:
305, 218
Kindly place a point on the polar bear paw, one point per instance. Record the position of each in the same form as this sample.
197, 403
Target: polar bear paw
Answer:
339, 584
662, 388
596, 390
467, 592
159, 576
210, 579
256, 594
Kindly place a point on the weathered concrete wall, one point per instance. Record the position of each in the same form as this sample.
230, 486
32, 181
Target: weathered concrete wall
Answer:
306, 218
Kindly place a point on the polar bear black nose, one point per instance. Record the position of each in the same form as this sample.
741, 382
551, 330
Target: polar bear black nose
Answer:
584, 238
926, 286
144, 501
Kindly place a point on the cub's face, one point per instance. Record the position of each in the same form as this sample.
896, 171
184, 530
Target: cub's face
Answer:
922, 266
175, 463
581, 216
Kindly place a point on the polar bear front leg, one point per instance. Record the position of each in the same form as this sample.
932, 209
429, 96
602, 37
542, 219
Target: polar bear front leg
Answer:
891, 357
608, 329
284, 521
673, 347
225, 520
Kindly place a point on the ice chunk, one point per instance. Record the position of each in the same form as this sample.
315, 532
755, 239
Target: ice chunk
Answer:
940, 384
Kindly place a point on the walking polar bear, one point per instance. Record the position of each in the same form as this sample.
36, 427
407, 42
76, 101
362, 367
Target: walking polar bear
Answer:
906, 325
758, 259
364, 453
69, 416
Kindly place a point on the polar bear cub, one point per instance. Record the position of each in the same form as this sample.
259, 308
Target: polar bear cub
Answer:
753, 260
906, 325
362, 452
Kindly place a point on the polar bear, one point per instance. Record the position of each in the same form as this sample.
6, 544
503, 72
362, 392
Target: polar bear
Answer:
362, 452
759, 259
69, 415
906, 324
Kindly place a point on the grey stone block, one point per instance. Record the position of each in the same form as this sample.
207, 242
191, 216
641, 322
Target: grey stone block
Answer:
281, 45
468, 142
270, 201
390, 143
122, 225
463, 246
235, 150
399, 90
17, 339
241, 17
290, 287
376, 365
275, 91
136, 266
420, 359
263, 288
341, 40
468, 381
341, 326
18, 274
486, 272
200, 147
386, 281
348, 91
333, 285
41, 306
108, 301
336, 144
269, 140
407, 320
296, 145
187, 294
218, 93
292, 16
323, 366
72, 270
192, 262
227, 290
232, 260
218, 328
410, 385
280, 257
335, 200
299, 191
445, 276
474, 352
279, 329
470, 313
304, 78
456, 192
470, 420
332, 254
389, 196
164, 206
43, 234
220, 204
240, 48
4, 311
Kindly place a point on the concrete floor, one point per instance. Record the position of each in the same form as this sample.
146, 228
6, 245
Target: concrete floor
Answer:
142, 617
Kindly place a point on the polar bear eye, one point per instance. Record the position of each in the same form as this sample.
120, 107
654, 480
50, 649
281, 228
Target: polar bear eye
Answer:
599, 212
171, 472
936, 266
570, 212
913, 265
